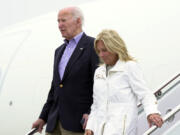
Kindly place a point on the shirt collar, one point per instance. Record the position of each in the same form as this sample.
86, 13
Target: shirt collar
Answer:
75, 39
78, 37
119, 66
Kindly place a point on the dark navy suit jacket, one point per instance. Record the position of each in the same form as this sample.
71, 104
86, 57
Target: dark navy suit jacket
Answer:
71, 97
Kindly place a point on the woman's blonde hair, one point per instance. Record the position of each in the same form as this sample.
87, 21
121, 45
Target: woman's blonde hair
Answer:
113, 44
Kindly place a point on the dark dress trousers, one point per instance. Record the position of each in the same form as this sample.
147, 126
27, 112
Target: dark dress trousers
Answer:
71, 97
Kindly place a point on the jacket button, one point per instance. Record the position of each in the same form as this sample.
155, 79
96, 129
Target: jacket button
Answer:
61, 85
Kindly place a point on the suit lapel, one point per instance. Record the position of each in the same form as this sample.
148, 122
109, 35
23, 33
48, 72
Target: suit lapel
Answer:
76, 54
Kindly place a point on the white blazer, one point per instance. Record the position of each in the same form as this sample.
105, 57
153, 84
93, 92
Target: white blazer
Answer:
115, 96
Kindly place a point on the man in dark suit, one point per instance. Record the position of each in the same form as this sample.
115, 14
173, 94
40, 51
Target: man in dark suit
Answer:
70, 96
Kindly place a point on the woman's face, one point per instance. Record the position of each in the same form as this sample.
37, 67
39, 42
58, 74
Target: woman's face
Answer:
108, 57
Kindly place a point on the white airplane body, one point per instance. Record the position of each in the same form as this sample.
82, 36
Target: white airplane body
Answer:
150, 30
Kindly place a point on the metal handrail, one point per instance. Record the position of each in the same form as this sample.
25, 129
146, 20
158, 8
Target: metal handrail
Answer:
165, 118
34, 130
158, 92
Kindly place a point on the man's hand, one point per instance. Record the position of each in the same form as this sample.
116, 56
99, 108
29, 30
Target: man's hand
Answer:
88, 132
39, 124
155, 119
85, 117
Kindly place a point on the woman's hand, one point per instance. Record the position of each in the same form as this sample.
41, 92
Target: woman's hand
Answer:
155, 119
88, 132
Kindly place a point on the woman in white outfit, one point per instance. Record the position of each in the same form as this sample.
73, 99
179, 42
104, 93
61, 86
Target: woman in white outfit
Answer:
118, 86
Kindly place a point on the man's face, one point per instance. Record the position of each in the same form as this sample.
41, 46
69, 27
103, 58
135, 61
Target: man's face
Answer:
68, 25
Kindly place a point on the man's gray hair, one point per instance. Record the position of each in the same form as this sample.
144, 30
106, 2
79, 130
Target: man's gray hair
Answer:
77, 13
